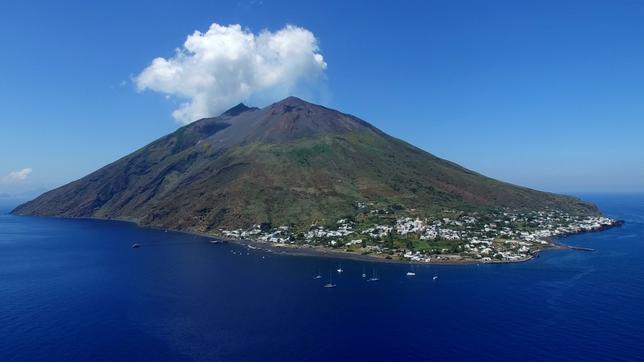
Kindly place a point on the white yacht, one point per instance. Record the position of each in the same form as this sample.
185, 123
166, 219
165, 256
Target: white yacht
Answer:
330, 283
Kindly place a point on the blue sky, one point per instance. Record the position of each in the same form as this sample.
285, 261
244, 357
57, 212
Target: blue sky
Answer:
546, 94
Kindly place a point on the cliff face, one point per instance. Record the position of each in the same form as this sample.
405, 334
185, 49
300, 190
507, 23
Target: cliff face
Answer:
290, 163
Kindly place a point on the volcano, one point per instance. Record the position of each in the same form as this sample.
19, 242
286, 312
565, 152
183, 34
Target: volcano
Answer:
290, 163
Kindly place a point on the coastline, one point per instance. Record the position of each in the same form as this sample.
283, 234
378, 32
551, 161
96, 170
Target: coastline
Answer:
299, 250
311, 251
306, 250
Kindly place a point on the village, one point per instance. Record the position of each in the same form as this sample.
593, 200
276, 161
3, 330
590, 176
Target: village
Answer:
496, 236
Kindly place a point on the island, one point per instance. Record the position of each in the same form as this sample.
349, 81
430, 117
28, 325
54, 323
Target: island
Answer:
299, 177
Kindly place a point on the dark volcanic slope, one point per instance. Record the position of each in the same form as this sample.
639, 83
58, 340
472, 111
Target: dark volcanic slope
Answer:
289, 163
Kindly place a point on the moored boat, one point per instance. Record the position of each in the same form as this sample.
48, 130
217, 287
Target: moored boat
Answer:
330, 283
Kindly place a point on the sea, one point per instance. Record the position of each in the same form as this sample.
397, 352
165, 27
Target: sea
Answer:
75, 290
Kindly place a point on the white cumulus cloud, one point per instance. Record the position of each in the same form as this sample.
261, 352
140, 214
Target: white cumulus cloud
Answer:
17, 176
217, 69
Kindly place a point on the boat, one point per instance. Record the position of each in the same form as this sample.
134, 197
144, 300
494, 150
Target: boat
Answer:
364, 274
340, 269
330, 283
411, 274
215, 241
136, 245
373, 278
435, 277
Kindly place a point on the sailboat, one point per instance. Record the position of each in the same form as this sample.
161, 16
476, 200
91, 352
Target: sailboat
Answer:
330, 283
364, 274
318, 275
411, 272
340, 269
373, 278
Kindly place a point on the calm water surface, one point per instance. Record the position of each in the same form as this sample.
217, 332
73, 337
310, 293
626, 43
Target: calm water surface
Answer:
75, 289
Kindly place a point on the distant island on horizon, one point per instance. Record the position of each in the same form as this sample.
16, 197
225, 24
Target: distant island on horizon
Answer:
302, 177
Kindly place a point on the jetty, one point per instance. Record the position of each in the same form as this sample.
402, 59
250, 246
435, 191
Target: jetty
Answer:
580, 248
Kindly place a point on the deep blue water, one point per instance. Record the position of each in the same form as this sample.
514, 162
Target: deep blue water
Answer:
75, 289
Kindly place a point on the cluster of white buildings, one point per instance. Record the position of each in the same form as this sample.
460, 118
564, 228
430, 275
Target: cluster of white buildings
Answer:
279, 235
318, 233
378, 231
499, 236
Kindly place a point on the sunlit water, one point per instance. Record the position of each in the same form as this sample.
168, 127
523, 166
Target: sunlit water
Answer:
75, 289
